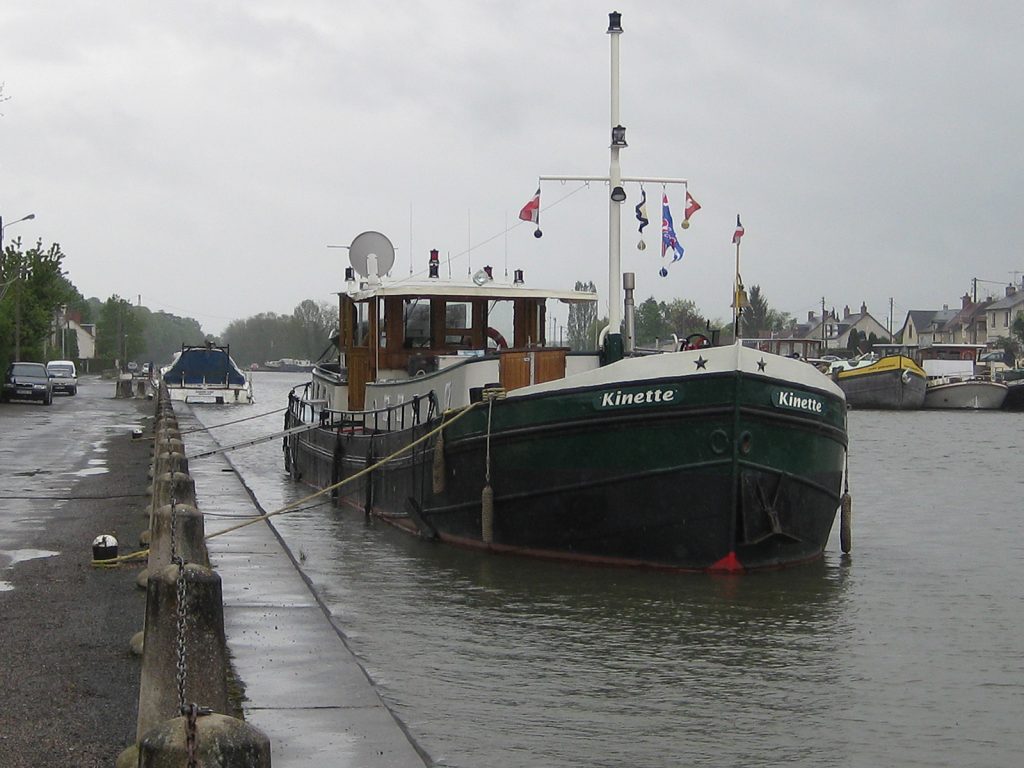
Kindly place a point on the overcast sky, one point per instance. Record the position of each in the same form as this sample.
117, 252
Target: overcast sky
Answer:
204, 155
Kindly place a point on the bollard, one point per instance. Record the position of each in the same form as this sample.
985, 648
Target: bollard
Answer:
104, 547
169, 461
206, 659
168, 445
173, 485
189, 538
221, 742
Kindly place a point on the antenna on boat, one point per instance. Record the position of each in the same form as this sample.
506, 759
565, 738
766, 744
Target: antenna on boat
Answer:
371, 255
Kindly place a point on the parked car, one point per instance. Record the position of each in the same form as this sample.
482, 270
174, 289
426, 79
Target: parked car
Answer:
63, 376
27, 380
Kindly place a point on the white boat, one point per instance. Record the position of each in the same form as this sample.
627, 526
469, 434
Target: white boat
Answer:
970, 393
953, 381
206, 374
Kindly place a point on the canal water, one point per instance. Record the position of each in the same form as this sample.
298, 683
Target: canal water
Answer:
908, 652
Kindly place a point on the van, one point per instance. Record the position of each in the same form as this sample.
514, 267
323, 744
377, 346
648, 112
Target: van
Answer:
63, 376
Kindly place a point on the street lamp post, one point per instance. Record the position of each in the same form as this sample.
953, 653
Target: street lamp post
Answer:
3, 226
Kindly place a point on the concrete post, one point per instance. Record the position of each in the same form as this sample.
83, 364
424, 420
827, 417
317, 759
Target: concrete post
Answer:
221, 742
189, 537
173, 485
206, 658
169, 461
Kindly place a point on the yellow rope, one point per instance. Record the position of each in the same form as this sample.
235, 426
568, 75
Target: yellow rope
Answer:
445, 423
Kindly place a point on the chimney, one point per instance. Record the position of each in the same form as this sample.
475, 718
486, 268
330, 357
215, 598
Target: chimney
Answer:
965, 301
863, 307
810, 316
1010, 290
846, 311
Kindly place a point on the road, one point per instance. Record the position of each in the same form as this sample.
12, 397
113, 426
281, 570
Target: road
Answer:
69, 472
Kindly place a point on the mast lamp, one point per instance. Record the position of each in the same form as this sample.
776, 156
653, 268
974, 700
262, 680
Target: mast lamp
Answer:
619, 136
614, 22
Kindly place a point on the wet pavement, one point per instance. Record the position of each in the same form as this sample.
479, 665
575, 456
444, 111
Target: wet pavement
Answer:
304, 687
69, 472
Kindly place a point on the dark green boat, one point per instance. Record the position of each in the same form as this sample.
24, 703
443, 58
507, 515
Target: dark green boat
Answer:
717, 458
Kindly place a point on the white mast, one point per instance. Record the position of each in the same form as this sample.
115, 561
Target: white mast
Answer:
615, 179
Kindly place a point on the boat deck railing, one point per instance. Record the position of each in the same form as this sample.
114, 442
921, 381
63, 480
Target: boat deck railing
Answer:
418, 409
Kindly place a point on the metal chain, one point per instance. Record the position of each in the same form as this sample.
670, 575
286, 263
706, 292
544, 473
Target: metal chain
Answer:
191, 713
182, 668
190, 710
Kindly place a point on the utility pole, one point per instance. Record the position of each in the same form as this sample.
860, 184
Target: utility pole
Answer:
19, 279
823, 342
890, 318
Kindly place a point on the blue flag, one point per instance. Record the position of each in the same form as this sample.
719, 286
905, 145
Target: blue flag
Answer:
668, 232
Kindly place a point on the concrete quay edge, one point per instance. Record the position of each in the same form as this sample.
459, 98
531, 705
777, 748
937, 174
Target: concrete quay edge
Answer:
304, 688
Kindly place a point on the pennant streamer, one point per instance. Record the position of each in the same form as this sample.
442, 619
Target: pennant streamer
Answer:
641, 216
692, 206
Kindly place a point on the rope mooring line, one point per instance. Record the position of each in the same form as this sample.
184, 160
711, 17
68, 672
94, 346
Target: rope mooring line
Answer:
445, 423
227, 423
365, 471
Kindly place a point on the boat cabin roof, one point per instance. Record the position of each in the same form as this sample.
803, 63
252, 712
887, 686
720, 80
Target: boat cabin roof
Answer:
466, 291
396, 328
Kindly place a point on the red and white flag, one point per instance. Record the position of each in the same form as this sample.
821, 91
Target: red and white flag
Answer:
692, 206
738, 234
531, 211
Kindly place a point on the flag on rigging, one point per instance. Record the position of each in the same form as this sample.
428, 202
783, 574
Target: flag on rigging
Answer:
531, 211
641, 210
668, 232
738, 234
692, 206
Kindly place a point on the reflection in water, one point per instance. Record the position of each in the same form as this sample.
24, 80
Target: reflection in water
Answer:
906, 653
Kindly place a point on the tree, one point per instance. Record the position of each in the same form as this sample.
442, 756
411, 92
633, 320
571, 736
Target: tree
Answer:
853, 341
313, 325
1017, 340
32, 289
760, 317
755, 316
164, 334
119, 331
683, 318
650, 323
582, 319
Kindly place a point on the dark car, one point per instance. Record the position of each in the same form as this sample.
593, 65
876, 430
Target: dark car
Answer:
27, 381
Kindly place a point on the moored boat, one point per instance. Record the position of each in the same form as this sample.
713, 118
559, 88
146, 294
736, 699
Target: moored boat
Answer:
965, 393
1013, 378
953, 381
449, 414
889, 382
206, 374
708, 458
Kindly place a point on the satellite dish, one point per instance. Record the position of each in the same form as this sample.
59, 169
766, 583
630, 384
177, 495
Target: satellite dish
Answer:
371, 255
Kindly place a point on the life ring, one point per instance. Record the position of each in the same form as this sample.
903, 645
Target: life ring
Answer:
696, 341
497, 338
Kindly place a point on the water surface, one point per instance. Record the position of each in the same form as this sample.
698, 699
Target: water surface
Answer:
906, 653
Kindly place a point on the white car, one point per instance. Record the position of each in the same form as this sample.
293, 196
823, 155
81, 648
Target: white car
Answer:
63, 376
